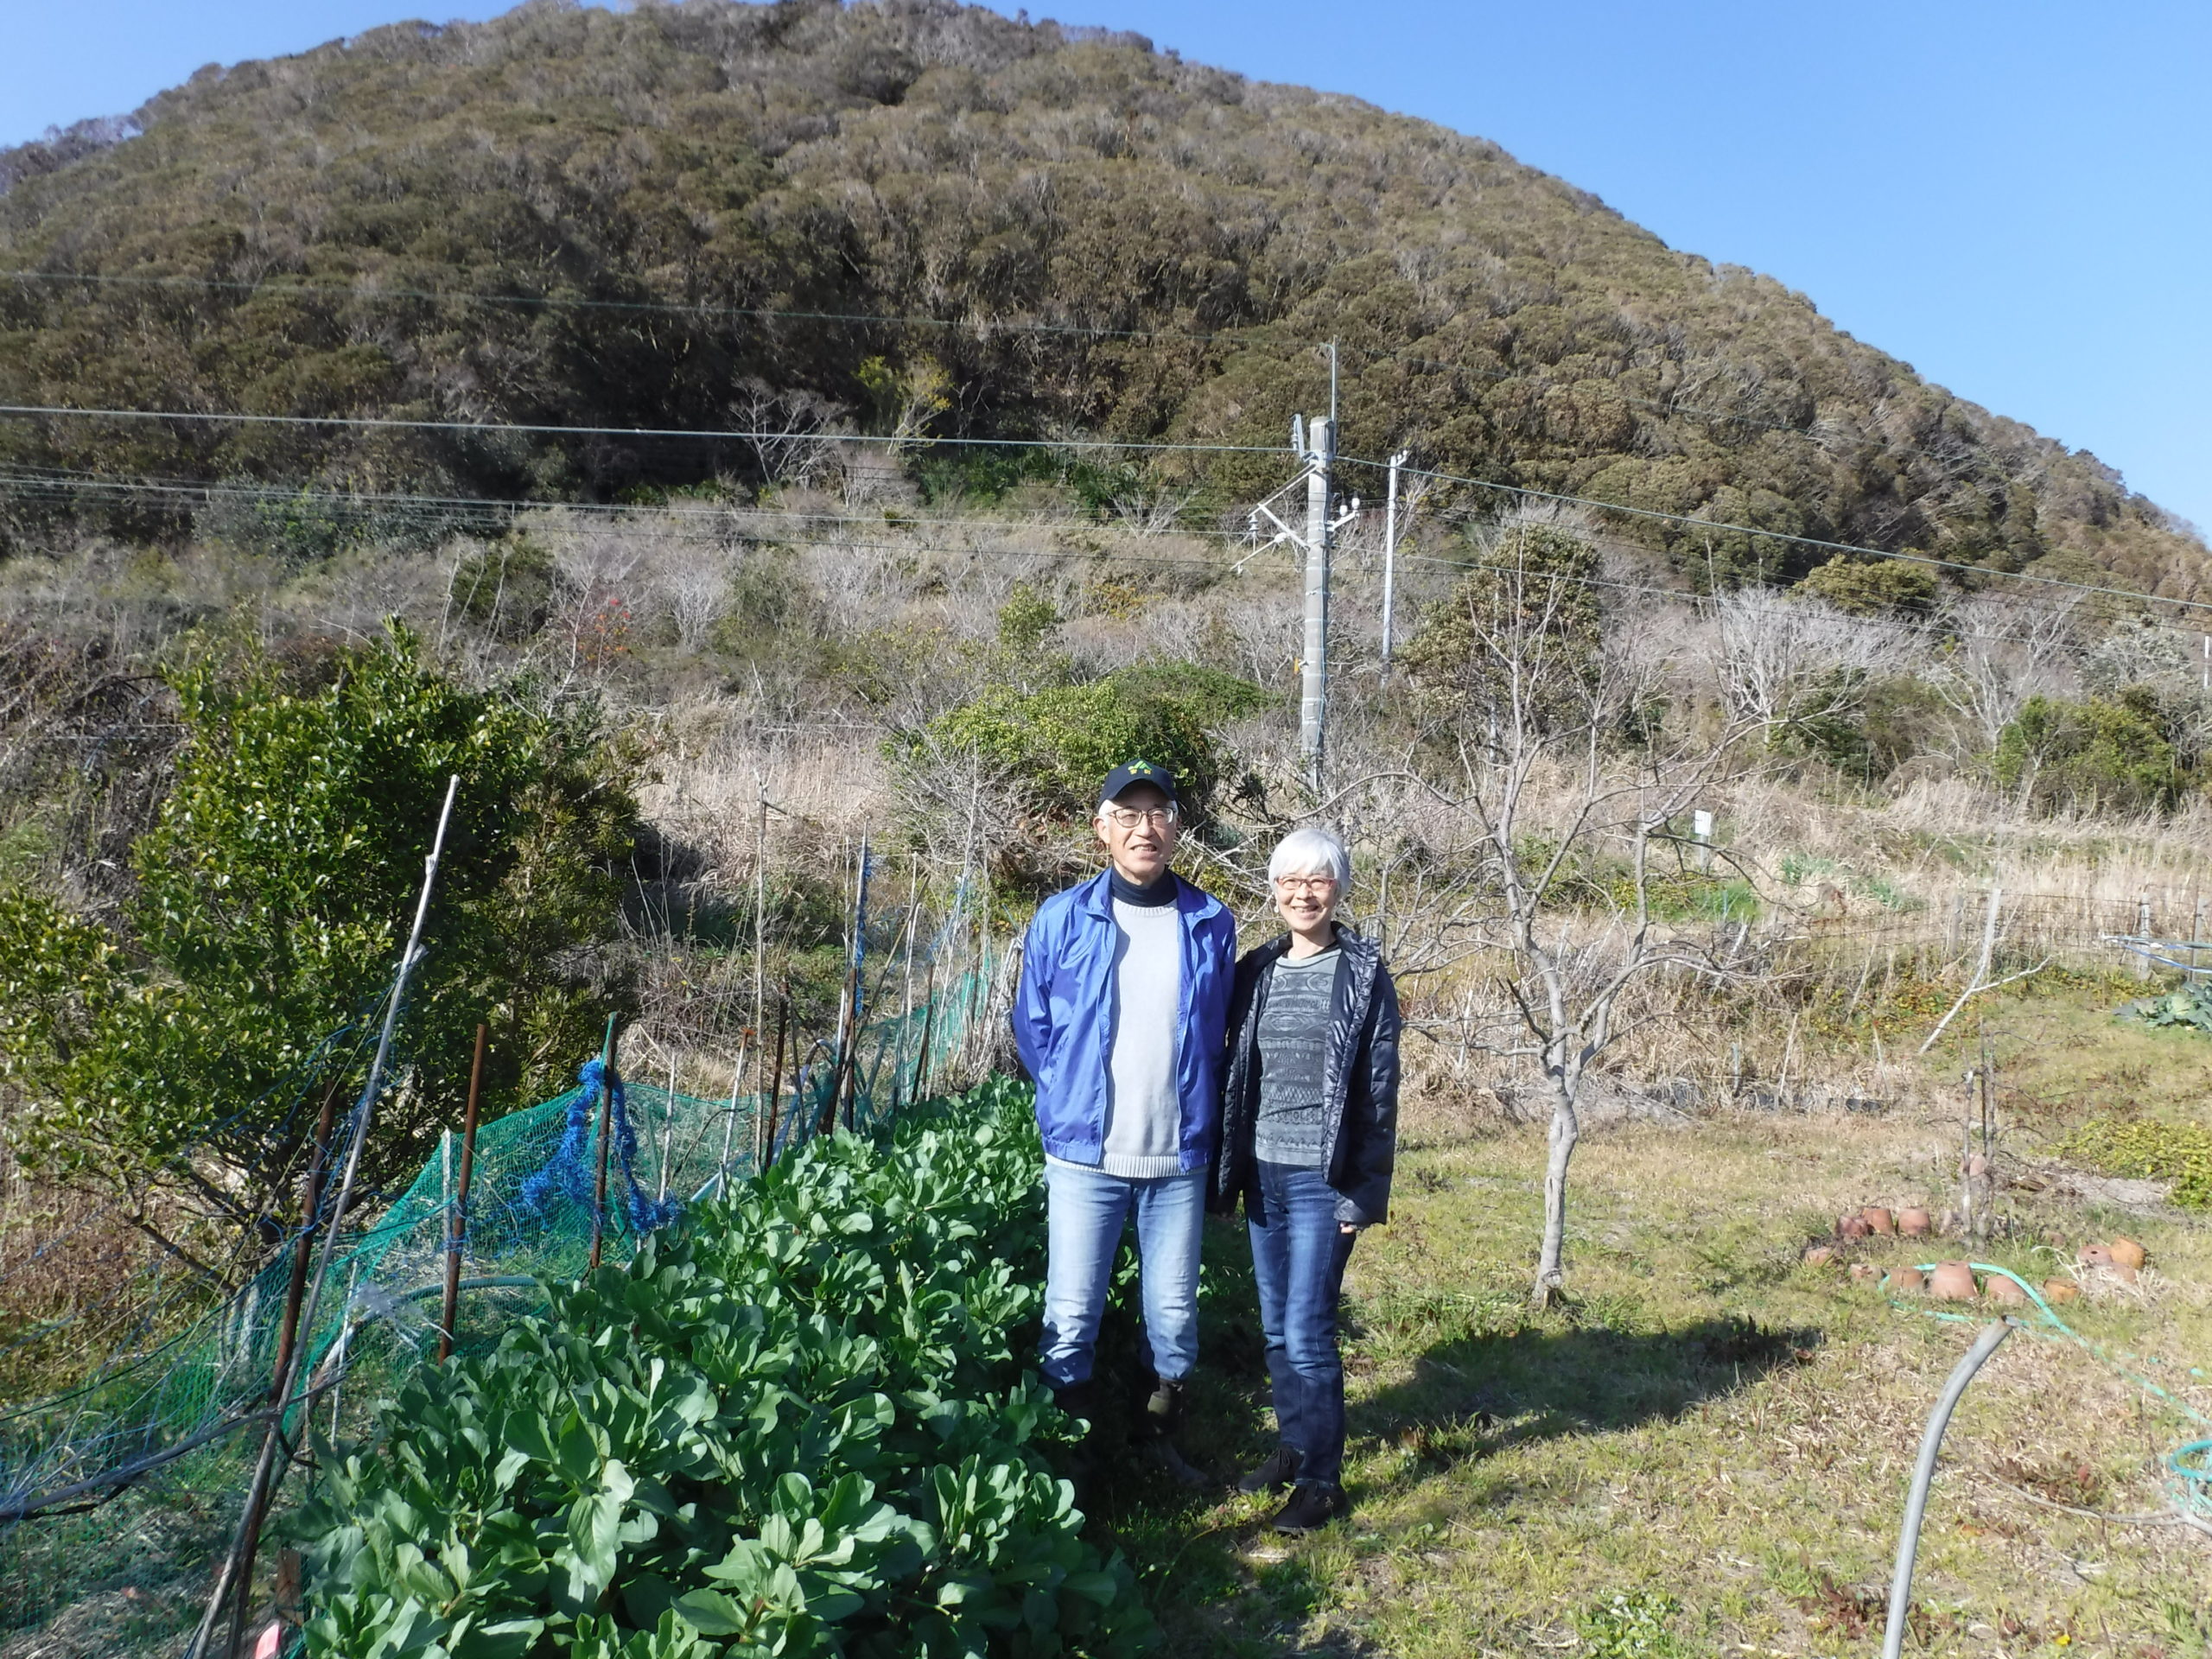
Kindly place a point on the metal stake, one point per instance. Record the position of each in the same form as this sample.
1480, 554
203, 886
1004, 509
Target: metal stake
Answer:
606, 1129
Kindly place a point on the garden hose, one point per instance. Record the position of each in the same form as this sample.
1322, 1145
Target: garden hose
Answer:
2189, 1467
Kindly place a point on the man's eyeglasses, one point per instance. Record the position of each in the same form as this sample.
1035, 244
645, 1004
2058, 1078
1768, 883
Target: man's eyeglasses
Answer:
1317, 884
1128, 817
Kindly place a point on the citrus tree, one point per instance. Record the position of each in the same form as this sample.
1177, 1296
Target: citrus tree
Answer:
270, 899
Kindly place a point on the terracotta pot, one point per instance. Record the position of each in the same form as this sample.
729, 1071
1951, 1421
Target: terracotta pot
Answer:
1865, 1272
1907, 1281
1953, 1281
2055, 1291
1854, 1227
2094, 1255
1878, 1220
2001, 1289
2126, 1253
1913, 1222
1818, 1255
2122, 1272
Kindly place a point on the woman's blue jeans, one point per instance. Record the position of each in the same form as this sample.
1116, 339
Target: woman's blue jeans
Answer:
1086, 1211
1298, 1258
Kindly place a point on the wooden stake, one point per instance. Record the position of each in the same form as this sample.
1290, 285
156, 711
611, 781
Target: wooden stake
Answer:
775, 1097
606, 1128
310, 1201
457, 1219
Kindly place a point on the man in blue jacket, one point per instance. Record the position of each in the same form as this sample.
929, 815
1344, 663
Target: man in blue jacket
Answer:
1120, 1019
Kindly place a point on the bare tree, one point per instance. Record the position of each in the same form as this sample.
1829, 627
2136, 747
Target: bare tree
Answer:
1152, 511
1776, 651
786, 430
696, 594
1575, 784
1999, 655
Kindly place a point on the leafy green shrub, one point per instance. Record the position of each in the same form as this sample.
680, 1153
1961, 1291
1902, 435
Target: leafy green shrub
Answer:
1057, 741
2097, 753
1873, 586
274, 892
508, 586
2146, 1150
1530, 600
797, 1426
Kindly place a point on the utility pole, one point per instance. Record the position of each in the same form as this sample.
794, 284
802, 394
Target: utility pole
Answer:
1314, 442
1313, 682
1390, 556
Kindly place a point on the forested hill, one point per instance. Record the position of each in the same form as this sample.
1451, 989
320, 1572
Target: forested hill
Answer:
377, 228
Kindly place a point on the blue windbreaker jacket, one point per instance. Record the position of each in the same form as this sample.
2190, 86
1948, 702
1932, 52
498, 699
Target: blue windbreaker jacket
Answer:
1065, 1012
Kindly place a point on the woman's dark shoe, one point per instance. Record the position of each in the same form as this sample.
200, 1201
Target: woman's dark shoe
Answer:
1312, 1505
1275, 1475
1165, 1409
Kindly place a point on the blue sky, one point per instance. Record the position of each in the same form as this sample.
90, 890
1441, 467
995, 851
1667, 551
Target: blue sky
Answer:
2014, 198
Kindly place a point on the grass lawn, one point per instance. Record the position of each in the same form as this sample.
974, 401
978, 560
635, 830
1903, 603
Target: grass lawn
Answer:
1707, 1454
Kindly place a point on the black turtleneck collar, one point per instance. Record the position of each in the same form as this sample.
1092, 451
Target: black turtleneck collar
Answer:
1125, 892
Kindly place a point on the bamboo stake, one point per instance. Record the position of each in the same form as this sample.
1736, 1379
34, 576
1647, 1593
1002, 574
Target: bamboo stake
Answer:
606, 1128
729, 1124
760, 921
929, 1020
667, 1129
830, 1097
457, 1219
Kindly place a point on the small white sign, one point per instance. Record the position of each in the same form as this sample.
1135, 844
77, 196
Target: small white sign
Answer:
1701, 824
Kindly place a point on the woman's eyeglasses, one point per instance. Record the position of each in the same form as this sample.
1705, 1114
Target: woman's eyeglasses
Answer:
1127, 817
1315, 884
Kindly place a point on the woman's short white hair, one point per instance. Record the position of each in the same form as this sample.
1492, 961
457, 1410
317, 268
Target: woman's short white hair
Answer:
1311, 851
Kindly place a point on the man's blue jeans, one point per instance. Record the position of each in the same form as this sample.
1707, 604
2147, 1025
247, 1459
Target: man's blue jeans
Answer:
1298, 1259
1086, 1210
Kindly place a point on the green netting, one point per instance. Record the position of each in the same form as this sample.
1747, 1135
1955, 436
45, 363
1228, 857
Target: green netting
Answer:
381, 1303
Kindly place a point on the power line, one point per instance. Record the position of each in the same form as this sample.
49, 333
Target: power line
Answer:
378, 423
80, 478
387, 422
691, 531
1713, 526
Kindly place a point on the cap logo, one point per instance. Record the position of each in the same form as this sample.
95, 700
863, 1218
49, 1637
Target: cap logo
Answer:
1138, 768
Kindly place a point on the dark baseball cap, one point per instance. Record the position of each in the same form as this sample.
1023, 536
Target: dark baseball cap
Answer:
1130, 773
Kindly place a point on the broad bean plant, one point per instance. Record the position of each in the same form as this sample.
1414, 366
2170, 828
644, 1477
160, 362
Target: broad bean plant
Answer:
797, 1423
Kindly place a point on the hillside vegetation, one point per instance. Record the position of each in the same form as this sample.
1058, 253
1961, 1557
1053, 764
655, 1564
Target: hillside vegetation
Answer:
403, 223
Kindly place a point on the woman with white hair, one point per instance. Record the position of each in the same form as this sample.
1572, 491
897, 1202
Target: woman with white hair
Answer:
1308, 1134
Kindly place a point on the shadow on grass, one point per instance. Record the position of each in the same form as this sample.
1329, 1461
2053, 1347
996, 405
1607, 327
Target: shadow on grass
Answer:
1473, 1395
1488, 1375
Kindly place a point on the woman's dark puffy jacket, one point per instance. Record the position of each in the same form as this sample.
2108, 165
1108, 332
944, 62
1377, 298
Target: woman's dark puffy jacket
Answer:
1359, 1080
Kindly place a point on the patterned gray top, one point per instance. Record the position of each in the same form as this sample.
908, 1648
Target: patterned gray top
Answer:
1293, 1045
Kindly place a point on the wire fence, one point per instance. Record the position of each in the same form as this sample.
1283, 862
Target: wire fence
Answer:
155, 1441
2030, 926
